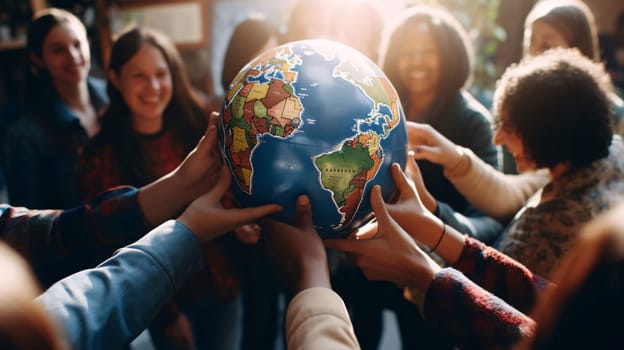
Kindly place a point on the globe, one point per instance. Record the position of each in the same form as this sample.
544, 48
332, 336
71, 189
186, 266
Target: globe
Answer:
313, 117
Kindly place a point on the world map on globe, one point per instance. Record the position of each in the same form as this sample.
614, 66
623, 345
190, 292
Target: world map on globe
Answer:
312, 117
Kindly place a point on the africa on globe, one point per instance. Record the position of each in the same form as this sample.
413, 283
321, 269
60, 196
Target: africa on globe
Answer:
313, 117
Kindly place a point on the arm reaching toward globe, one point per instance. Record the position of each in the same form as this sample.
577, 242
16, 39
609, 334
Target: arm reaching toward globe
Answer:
107, 306
197, 174
494, 193
281, 134
459, 251
316, 317
442, 294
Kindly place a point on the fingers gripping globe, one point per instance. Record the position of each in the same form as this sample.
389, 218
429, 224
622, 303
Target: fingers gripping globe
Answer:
313, 117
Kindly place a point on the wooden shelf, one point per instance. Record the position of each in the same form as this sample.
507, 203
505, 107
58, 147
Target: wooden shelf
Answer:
12, 45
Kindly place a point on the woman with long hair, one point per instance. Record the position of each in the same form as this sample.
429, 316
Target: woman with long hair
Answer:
154, 119
62, 104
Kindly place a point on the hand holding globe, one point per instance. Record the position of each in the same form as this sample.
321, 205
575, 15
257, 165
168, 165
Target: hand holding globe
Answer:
312, 117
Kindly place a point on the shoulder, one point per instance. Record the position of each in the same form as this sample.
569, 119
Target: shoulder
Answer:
471, 126
27, 128
25, 122
609, 169
618, 107
97, 83
465, 115
473, 108
97, 88
616, 149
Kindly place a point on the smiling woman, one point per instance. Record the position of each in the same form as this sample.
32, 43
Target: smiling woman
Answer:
145, 84
155, 118
427, 55
62, 104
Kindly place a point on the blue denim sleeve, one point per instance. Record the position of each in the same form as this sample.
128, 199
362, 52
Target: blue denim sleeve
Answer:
58, 243
108, 306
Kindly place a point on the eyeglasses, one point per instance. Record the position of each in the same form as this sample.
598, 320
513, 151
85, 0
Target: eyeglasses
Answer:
503, 126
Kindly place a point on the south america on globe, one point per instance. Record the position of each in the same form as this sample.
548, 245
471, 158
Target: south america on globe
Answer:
313, 117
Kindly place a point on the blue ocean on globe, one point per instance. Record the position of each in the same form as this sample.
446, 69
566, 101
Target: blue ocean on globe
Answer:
313, 117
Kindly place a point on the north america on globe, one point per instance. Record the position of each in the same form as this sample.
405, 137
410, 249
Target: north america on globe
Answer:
335, 115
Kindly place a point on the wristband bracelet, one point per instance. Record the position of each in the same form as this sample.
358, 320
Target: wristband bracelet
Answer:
439, 239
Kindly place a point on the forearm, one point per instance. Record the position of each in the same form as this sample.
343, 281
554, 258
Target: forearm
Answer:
474, 318
57, 243
164, 199
499, 274
494, 193
447, 242
29, 232
317, 319
108, 306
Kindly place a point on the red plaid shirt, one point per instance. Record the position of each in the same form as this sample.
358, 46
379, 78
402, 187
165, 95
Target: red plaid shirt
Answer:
101, 169
480, 302
57, 243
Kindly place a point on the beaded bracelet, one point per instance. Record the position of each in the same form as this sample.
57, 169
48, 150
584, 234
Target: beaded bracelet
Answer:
440, 239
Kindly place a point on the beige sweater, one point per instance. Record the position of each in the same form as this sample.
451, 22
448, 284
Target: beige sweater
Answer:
494, 193
317, 319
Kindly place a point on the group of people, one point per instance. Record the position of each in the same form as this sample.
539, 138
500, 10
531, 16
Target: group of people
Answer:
467, 256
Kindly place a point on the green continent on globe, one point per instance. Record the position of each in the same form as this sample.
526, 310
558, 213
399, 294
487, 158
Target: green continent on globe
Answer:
345, 172
269, 95
255, 108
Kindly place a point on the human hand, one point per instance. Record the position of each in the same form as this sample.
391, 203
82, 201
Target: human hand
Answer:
410, 212
166, 197
427, 143
391, 255
199, 171
413, 172
207, 218
297, 252
247, 234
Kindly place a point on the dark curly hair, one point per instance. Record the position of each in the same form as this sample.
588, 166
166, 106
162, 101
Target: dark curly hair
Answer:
558, 104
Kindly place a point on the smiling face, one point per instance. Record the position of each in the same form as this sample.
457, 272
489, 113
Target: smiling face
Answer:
146, 86
507, 136
544, 36
65, 54
419, 62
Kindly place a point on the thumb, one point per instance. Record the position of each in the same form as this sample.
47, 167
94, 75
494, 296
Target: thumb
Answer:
426, 152
304, 212
207, 142
413, 168
344, 245
222, 184
379, 207
253, 214
400, 179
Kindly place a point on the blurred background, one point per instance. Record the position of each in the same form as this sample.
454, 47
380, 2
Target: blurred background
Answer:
202, 29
